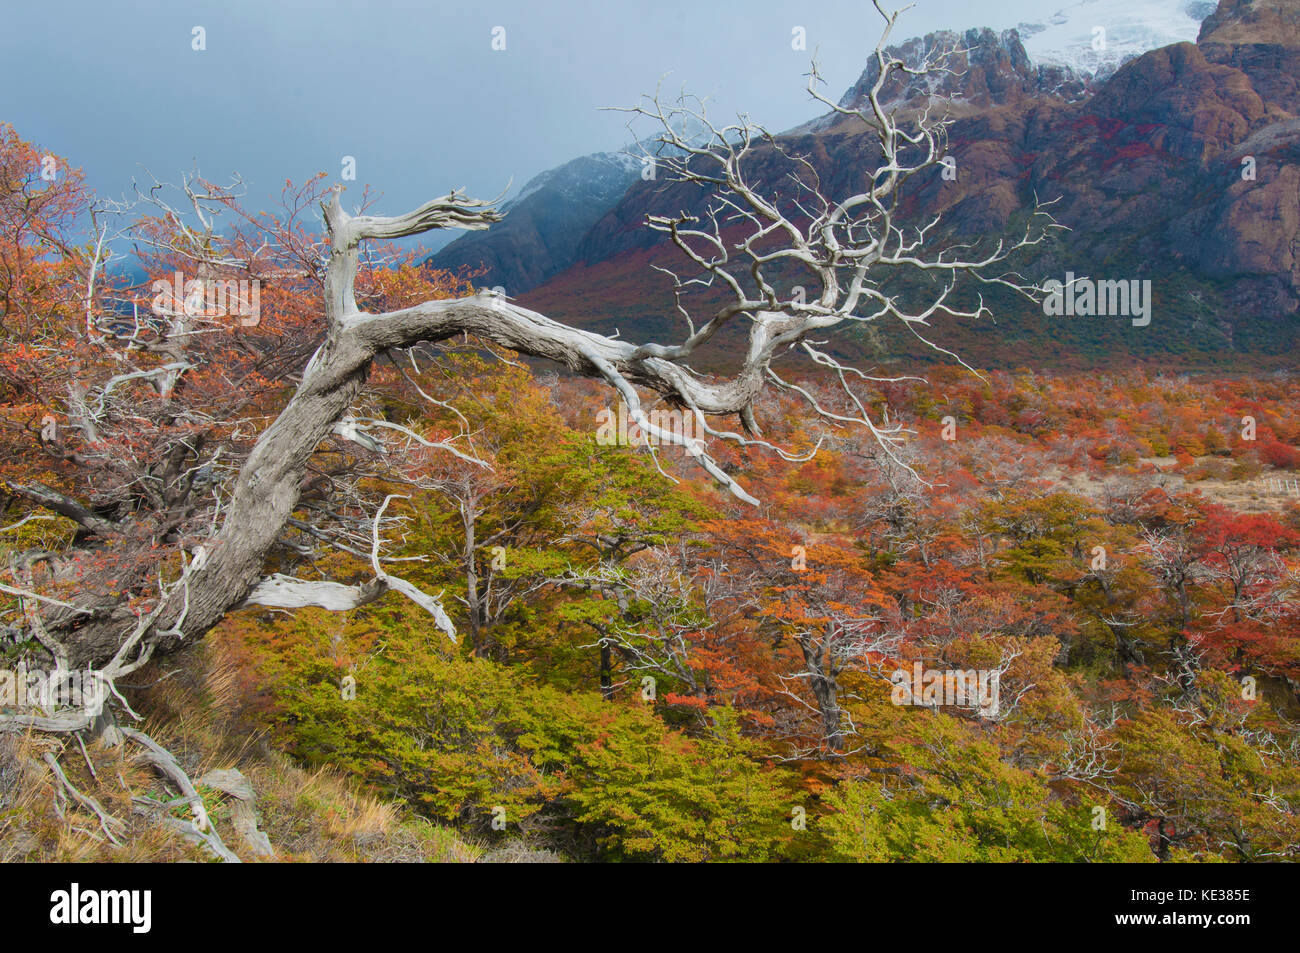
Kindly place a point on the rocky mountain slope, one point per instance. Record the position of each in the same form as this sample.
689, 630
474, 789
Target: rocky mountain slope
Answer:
1183, 168
543, 225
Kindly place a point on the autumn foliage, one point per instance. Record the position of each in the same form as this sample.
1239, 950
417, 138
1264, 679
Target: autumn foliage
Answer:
647, 668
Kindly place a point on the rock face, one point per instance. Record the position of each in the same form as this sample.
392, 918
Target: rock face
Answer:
988, 69
1262, 39
578, 212
544, 224
1182, 167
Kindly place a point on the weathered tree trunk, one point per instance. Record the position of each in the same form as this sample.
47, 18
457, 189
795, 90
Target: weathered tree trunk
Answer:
268, 486
824, 684
845, 250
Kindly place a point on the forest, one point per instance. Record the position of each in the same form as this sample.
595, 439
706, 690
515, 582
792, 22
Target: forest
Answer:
313, 551
644, 666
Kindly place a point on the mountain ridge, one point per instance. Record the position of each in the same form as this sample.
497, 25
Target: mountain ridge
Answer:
1148, 167
1150, 176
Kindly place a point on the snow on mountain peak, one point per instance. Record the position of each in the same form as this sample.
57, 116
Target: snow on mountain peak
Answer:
1096, 37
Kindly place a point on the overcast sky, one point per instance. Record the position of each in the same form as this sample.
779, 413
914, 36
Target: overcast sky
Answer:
413, 90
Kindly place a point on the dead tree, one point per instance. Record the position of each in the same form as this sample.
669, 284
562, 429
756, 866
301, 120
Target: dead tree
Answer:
845, 246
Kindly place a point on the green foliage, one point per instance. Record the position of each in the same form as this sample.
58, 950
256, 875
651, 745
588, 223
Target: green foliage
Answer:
1045, 534
1206, 789
660, 794
571, 541
460, 737
961, 803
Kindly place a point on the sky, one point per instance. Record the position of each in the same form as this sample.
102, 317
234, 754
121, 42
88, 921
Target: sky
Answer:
413, 91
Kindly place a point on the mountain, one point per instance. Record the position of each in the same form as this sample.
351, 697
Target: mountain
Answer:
1128, 28
1260, 39
987, 69
543, 225
1181, 167
570, 213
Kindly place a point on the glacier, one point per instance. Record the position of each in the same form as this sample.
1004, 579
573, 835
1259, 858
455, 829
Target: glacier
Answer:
1131, 28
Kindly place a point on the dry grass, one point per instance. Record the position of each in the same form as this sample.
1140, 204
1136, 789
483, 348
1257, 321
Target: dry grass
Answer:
1253, 495
197, 705
320, 817
38, 825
